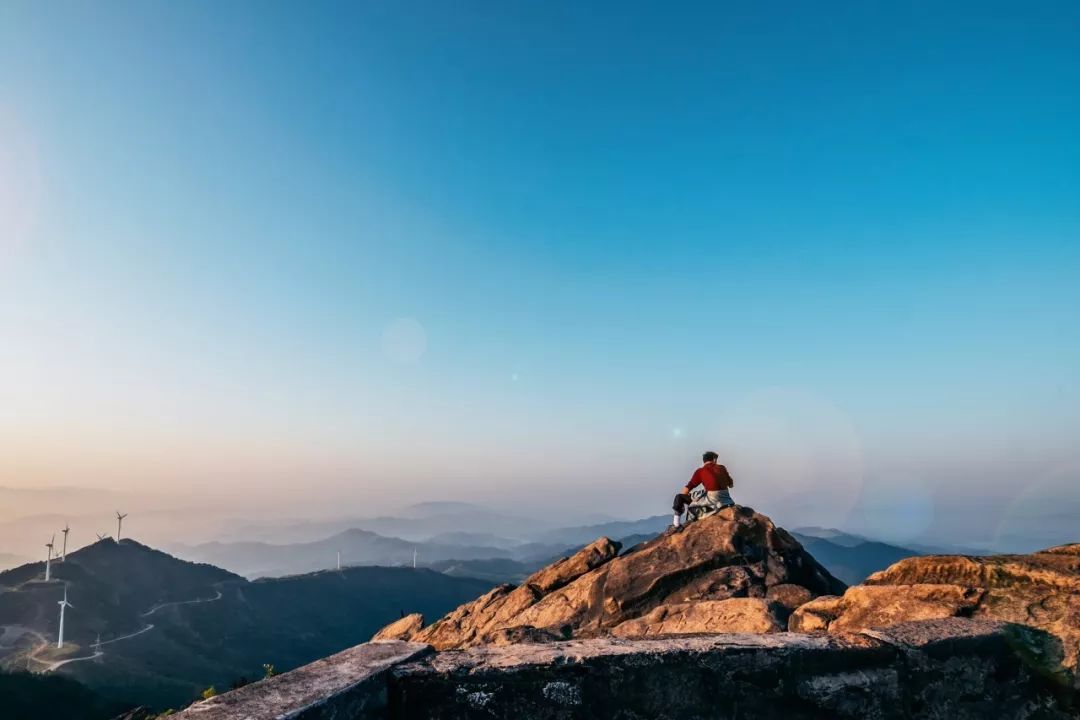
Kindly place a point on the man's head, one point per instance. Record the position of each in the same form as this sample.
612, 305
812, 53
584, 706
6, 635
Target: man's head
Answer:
709, 456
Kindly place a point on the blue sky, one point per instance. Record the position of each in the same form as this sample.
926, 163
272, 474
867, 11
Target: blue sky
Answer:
545, 253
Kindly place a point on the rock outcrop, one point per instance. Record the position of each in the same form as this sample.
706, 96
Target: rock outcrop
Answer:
401, 629
958, 669
1041, 590
732, 572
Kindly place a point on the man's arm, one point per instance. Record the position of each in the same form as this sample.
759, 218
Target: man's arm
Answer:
727, 477
695, 480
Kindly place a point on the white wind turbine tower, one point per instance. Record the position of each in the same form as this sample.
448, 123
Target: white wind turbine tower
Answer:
63, 553
48, 558
414, 558
339, 560
63, 604
119, 522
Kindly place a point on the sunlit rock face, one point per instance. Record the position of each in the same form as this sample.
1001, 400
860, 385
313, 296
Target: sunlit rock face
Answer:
404, 628
1040, 590
732, 572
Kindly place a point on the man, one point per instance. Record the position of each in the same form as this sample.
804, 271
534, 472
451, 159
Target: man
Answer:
715, 480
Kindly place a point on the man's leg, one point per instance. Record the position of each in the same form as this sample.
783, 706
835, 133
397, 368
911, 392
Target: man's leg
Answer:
679, 507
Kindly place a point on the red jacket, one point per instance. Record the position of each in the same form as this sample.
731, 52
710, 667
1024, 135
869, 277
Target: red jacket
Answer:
712, 477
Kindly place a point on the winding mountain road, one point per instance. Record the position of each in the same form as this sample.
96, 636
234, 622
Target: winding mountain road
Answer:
44, 643
159, 606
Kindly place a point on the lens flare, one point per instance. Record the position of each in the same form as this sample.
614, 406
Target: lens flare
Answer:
1043, 514
793, 454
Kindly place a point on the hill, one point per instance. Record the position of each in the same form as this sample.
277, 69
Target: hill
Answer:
284, 622
112, 584
170, 628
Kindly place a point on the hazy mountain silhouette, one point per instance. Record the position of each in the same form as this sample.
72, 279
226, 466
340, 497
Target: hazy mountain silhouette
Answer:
357, 547
850, 558
585, 534
415, 523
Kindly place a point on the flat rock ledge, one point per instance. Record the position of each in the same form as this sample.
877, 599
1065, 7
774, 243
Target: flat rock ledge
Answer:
952, 668
350, 684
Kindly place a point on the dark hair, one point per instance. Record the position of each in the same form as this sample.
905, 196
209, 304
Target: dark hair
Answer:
709, 456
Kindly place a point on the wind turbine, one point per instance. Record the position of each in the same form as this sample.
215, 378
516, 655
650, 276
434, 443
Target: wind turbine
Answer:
63, 604
339, 560
414, 558
63, 553
119, 522
48, 558
101, 536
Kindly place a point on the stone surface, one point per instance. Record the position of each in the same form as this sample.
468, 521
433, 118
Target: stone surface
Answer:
816, 615
734, 615
568, 569
402, 629
1073, 549
1040, 590
491, 617
734, 554
959, 670
349, 685
866, 606
789, 596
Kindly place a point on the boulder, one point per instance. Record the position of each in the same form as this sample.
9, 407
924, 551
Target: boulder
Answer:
568, 569
478, 622
867, 606
403, 629
789, 596
816, 615
735, 615
467, 623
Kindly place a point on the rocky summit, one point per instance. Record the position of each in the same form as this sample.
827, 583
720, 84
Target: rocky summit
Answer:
735, 571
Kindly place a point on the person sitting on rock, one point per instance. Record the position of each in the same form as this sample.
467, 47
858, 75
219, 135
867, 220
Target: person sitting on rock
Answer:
715, 480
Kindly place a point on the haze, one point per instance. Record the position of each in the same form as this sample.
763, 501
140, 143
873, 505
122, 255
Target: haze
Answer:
270, 259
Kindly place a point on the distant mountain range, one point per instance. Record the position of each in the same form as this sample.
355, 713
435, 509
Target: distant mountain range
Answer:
485, 555
849, 557
415, 523
357, 547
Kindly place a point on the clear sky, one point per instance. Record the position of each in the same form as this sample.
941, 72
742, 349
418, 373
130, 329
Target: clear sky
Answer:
544, 254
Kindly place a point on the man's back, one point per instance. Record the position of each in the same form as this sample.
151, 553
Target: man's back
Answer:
712, 477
